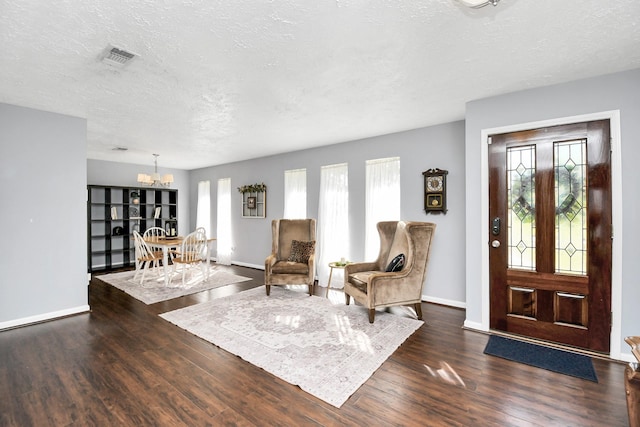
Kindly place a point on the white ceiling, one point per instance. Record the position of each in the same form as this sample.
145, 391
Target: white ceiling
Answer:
221, 81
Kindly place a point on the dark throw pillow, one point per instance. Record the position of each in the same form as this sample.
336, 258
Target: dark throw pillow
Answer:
396, 264
301, 251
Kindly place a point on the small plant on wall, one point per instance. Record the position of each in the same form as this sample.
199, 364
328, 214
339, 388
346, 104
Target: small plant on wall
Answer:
253, 188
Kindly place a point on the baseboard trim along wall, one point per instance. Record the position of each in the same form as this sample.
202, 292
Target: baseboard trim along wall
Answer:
43, 317
473, 325
442, 301
246, 264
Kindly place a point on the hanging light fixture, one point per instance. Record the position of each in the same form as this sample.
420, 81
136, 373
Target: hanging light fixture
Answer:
154, 180
477, 4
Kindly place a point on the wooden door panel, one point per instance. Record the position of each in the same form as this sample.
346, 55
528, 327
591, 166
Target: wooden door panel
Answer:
550, 264
549, 281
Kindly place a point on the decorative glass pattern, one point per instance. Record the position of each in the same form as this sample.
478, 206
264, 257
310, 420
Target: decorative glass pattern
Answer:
570, 167
521, 199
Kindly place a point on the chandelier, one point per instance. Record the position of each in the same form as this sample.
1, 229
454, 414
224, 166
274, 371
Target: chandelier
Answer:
154, 180
477, 4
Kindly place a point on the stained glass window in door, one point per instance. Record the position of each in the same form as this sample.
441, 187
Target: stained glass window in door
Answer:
570, 168
521, 199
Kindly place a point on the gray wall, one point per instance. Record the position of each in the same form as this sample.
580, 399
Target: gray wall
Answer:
438, 146
618, 91
125, 174
53, 147
43, 215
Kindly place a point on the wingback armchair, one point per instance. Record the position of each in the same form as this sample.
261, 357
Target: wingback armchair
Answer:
373, 285
292, 259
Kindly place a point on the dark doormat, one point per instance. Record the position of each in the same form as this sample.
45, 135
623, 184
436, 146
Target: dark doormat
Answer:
563, 362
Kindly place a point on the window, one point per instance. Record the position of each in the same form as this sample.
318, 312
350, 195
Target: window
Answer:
203, 211
382, 192
223, 231
333, 218
295, 194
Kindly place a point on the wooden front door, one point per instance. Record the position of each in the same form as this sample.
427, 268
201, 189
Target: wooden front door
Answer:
550, 234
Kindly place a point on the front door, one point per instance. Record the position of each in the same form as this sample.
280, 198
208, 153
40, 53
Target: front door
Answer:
550, 234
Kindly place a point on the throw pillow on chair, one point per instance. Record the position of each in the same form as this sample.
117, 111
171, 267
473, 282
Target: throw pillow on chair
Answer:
396, 264
301, 251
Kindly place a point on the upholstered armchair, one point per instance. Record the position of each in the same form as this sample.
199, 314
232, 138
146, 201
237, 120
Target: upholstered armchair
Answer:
376, 284
292, 259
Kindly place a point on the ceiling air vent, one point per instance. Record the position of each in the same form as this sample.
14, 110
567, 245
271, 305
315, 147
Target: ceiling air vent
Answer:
117, 57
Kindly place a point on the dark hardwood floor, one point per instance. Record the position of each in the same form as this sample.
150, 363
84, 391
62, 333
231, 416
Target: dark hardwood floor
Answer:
123, 365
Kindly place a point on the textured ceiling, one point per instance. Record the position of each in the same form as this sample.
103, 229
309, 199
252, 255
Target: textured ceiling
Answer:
222, 81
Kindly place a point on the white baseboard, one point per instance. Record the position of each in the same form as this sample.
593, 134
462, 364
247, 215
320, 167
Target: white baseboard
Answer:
474, 325
628, 357
442, 301
43, 317
245, 264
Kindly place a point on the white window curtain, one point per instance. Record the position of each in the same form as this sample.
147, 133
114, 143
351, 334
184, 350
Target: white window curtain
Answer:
333, 221
295, 194
203, 211
382, 195
223, 231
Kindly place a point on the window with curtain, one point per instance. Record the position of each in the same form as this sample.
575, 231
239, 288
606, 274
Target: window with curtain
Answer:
295, 194
382, 200
333, 220
203, 210
223, 231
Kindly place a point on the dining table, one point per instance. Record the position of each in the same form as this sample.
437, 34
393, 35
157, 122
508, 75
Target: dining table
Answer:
167, 243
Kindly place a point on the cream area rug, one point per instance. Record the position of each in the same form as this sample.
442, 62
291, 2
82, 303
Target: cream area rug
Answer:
154, 289
327, 350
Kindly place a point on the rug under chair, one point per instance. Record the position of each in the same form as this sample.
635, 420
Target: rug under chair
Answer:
154, 289
328, 350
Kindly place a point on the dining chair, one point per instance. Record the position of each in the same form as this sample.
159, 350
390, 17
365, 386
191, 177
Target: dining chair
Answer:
207, 250
145, 257
152, 234
191, 253
155, 231
177, 250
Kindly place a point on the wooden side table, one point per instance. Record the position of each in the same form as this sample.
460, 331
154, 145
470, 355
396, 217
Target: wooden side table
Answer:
632, 383
332, 265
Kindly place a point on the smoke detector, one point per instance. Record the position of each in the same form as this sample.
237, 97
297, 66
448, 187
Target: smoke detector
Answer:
117, 57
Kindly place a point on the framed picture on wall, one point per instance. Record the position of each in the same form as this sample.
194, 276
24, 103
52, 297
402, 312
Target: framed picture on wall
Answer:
251, 202
254, 204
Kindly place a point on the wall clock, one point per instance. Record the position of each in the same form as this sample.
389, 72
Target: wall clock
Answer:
435, 190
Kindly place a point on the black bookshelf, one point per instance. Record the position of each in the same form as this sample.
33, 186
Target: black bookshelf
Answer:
113, 213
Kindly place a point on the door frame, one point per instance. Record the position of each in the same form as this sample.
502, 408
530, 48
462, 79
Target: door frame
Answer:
616, 206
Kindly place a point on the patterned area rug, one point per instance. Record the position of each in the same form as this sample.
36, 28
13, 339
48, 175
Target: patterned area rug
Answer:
327, 350
154, 289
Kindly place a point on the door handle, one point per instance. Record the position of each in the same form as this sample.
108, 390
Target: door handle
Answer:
495, 244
